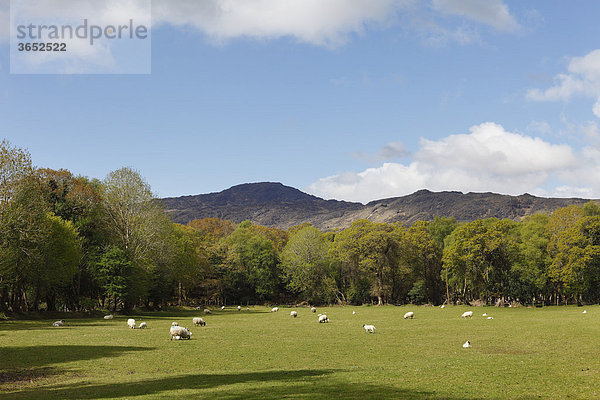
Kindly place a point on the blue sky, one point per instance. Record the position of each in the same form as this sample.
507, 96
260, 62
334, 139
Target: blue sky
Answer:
344, 99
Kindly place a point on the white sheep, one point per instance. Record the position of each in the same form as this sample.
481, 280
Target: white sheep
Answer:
179, 332
59, 323
174, 324
313, 309
409, 314
239, 308
207, 311
353, 312
274, 309
369, 328
467, 344
143, 325
485, 314
584, 312
198, 321
294, 314
131, 323
467, 314
490, 318
443, 306
323, 318
110, 316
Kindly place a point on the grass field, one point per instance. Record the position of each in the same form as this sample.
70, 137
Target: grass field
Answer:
548, 353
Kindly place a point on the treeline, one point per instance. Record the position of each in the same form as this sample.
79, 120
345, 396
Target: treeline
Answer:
73, 243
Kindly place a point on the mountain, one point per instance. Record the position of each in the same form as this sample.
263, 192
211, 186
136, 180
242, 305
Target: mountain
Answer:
277, 205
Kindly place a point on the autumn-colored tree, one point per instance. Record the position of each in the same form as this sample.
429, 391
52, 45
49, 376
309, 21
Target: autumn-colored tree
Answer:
212, 229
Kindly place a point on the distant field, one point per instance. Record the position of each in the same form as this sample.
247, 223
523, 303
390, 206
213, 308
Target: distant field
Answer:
548, 353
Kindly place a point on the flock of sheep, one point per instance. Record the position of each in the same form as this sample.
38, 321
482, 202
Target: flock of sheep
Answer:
178, 332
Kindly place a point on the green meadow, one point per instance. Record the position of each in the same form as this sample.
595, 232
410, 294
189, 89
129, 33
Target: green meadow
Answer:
523, 353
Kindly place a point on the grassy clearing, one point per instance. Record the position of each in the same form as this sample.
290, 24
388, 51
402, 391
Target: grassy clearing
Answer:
523, 353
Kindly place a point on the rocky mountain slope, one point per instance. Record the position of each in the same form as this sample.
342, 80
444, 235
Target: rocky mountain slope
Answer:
277, 205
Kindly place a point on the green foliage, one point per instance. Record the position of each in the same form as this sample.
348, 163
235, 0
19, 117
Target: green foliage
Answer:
418, 293
307, 268
248, 265
372, 249
116, 273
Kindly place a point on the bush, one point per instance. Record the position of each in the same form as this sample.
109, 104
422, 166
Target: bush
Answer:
360, 292
417, 293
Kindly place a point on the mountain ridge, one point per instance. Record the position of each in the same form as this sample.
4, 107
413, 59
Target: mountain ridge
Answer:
277, 205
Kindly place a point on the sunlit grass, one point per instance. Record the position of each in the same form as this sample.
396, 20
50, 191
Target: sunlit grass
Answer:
551, 352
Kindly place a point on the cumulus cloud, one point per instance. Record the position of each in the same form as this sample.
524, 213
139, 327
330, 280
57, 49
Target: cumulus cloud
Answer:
582, 78
328, 23
312, 21
490, 12
488, 158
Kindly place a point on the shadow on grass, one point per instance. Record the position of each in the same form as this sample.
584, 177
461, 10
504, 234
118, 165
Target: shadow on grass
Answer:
313, 384
29, 362
156, 386
326, 389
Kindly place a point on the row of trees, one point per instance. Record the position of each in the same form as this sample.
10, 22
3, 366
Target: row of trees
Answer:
74, 243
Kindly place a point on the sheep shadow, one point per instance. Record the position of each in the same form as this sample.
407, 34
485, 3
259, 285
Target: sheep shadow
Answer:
313, 384
33, 362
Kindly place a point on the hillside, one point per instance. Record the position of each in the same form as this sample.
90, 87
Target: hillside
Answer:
277, 205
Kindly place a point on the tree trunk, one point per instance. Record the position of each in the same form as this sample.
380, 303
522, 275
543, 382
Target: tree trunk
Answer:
179, 302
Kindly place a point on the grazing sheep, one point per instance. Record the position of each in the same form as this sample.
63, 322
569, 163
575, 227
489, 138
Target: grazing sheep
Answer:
110, 316
239, 308
198, 321
409, 314
443, 306
174, 324
143, 325
294, 314
179, 332
369, 328
485, 314
274, 309
207, 311
467, 344
313, 309
584, 312
353, 312
59, 323
467, 314
323, 318
222, 308
131, 323
490, 318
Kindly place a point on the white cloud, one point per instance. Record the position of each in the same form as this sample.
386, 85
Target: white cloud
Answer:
4, 21
489, 158
542, 127
317, 22
490, 12
104, 56
582, 78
